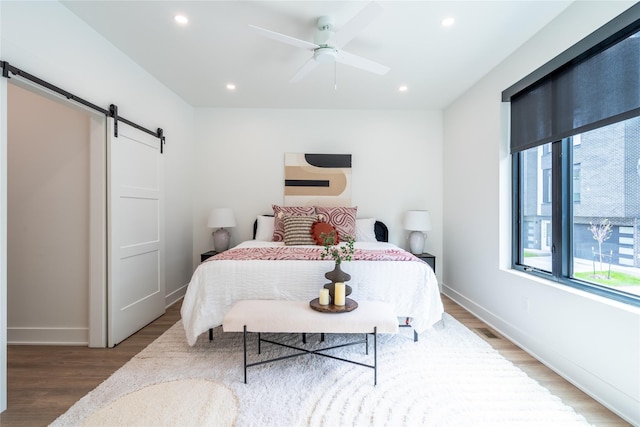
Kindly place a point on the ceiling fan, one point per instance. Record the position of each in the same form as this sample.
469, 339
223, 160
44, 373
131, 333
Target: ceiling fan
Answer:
327, 45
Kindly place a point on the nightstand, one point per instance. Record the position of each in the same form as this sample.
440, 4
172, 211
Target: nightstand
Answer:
206, 255
429, 259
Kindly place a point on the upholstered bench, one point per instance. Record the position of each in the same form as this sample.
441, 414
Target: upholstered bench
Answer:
278, 316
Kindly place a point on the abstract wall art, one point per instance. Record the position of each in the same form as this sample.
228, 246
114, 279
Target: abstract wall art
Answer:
317, 179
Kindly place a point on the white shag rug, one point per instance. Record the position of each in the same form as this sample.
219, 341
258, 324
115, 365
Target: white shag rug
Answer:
450, 377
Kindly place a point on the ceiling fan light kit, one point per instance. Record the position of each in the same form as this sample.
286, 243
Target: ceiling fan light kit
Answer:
328, 44
325, 55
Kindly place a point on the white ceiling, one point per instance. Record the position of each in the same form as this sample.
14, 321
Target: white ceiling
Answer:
216, 47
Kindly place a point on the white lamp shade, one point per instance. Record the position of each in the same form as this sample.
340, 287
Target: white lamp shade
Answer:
417, 221
221, 217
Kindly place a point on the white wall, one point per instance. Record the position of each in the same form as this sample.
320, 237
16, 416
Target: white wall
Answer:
48, 220
593, 342
397, 164
3, 241
47, 40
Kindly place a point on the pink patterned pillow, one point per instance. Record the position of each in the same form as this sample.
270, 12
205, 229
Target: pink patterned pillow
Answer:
278, 213
342, 218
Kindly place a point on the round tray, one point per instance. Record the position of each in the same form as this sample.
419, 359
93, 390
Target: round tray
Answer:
349, 305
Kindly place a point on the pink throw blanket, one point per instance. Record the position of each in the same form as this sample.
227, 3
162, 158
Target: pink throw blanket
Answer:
306, 253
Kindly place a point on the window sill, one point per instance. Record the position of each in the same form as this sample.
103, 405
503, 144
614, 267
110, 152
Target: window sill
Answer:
626, 306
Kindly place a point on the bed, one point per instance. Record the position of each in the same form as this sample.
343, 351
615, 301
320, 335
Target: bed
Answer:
263, 269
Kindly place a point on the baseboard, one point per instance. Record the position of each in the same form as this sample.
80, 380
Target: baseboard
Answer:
175, 296
48, 336
618, 402
67, 336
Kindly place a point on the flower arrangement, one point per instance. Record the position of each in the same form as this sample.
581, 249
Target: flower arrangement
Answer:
336, 252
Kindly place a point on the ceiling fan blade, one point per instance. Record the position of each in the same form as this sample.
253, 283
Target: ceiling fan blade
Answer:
284, 38
360, 62
304, 70
355, 25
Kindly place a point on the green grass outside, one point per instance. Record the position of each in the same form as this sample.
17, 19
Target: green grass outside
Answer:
617, 278
532, 254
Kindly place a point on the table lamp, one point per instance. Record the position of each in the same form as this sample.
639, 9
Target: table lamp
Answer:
220, 218
417, 222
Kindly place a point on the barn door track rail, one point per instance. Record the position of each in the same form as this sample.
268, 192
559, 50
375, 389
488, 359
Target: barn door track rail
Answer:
111, 112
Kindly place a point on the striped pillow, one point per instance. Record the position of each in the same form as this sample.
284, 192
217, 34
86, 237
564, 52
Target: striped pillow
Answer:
297, 229
280, 211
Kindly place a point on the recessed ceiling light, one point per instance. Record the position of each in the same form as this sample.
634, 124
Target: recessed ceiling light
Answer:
403, 88
447, 22
231, 86
181, 19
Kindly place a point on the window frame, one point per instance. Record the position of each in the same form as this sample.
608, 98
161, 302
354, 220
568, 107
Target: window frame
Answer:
561, 225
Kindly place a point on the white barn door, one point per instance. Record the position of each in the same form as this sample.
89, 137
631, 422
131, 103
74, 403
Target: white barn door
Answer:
135, 260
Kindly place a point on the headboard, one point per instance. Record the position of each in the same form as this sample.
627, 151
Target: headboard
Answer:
381, 230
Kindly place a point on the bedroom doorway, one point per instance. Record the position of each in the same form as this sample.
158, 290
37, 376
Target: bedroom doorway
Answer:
56, 221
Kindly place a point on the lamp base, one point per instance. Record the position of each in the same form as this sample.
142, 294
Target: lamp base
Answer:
416, 242
221, 240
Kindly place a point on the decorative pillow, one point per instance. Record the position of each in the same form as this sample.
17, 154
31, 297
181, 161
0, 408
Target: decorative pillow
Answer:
279, 211
319, 228
297, 229
342, 218
264, 230
365, 230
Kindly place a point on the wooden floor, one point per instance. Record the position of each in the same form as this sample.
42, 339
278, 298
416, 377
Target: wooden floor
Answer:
44, 381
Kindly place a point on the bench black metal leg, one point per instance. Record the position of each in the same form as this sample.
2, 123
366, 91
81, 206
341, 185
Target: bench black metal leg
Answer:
245, 353
318, 352
366, 342
375, 355
210, 334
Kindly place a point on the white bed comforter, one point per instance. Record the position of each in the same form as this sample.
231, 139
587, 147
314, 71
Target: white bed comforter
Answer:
410, 286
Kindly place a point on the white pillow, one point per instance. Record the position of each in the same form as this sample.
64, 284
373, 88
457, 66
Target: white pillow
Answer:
365, 231
264, 230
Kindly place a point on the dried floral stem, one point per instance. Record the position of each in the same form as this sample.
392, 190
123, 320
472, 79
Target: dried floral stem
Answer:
335, 252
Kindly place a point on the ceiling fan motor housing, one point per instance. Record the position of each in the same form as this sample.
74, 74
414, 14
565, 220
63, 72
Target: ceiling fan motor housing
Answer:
326, 23
325, 30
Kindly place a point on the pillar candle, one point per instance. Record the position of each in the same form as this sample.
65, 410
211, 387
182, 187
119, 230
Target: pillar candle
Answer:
324, 297
339, 294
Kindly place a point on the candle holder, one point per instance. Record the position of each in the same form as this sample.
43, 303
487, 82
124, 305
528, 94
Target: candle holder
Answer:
349, 305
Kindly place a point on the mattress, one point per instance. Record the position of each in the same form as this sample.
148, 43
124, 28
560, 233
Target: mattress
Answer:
409, 285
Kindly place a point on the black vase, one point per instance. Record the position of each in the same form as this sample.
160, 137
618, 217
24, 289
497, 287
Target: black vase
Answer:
337, 275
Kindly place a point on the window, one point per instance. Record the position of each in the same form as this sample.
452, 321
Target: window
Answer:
575, 143
604, 242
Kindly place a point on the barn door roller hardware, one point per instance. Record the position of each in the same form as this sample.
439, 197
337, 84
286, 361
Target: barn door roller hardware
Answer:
111, 112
